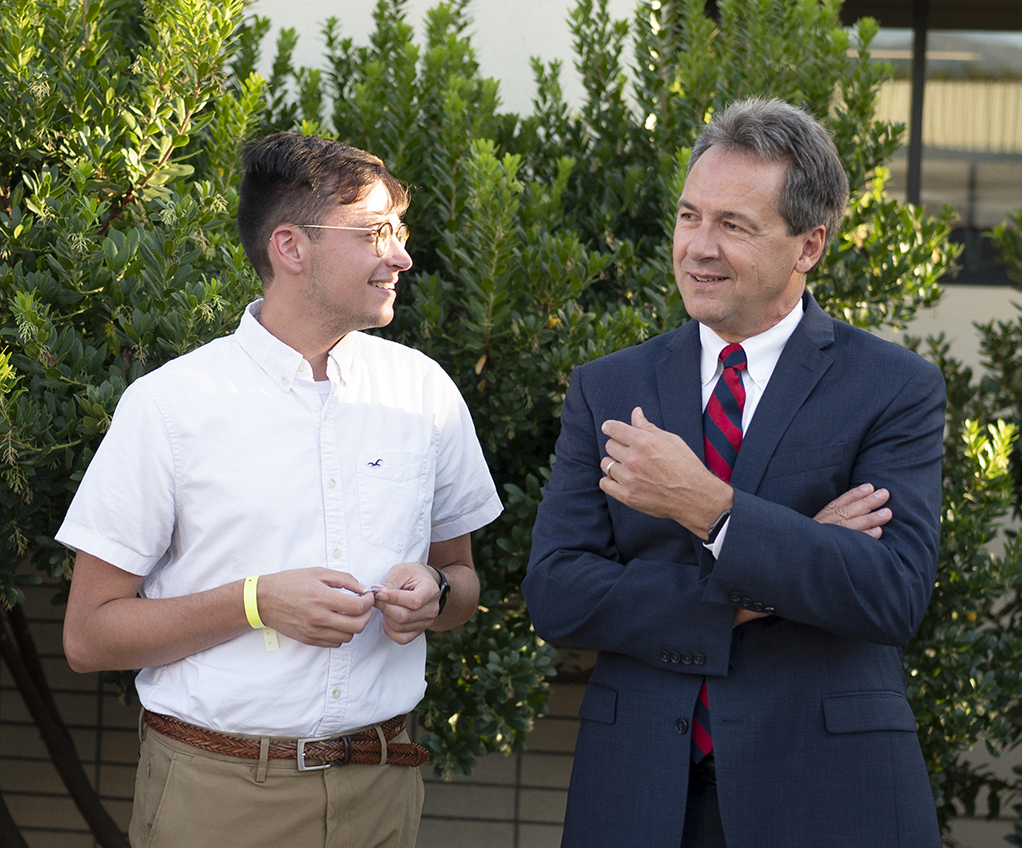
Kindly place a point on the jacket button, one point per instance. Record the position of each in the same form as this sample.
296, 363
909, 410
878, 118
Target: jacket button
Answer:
675, 658
665, 656
681, 726
734, 597
747, 602
686, 658
757, 607
768, 610
699, 659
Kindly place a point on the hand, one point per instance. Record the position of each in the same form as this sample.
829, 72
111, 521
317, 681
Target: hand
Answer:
305, 604
409, 600
744, 615
861, 508
656, 472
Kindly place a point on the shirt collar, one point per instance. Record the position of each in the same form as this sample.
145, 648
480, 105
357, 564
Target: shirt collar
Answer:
281, 362
762, 350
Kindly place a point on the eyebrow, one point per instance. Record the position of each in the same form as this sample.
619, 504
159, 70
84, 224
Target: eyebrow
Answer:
722, 213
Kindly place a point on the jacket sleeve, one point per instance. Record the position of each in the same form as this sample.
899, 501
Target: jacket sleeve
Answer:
605, 577
775, 557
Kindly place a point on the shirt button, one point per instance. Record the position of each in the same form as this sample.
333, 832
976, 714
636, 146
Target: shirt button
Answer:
335, 694
337, 553
301, 368
331, 483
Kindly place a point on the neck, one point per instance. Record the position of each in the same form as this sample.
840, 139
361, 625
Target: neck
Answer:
298, 334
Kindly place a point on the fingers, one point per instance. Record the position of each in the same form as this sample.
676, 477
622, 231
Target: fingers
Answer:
624, 434
744, 615
639, 420
307, 606
861, 508
409, 601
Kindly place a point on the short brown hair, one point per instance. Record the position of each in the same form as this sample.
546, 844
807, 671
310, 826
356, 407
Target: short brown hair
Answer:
291, 178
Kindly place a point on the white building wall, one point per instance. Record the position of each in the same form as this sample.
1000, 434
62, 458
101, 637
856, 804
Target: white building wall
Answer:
504, 33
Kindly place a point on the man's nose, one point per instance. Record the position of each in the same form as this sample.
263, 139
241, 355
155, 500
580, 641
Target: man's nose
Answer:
703, 242
398, 256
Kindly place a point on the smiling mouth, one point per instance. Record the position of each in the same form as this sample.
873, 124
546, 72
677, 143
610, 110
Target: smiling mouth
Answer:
707, 278
383, 284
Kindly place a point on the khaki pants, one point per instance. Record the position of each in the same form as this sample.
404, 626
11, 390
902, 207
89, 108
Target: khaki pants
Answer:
188, 798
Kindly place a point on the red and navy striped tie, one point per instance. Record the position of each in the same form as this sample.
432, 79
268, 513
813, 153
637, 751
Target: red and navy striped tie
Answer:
722, 437
722, 421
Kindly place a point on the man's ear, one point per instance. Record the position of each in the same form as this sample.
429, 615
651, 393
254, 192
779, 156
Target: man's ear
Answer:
812, 249
289, 248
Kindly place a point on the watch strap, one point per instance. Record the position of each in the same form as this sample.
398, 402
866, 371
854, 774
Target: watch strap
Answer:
717, 526
445, 587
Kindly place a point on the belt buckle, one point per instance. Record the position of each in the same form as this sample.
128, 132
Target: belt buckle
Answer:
300, 755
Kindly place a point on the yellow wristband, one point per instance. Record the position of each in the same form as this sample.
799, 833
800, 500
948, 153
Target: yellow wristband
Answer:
251, 604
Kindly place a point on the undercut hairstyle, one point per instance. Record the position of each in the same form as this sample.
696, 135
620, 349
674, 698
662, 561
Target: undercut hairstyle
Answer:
300, 179
815, 190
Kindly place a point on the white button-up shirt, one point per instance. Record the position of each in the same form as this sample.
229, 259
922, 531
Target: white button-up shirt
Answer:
232, 461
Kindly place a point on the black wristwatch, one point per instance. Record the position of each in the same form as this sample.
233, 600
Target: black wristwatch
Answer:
717, 526
445, 587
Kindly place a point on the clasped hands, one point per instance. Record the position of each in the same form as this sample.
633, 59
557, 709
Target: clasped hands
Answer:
324, 608
656, 472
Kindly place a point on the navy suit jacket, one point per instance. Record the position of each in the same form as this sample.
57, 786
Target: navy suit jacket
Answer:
814, 741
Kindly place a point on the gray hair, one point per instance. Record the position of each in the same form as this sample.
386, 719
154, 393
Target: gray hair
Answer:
815, 191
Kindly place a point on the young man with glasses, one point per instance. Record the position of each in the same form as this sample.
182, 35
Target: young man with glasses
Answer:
271, 524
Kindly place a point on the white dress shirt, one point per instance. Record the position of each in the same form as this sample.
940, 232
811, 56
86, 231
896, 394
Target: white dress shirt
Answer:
228, 462
761, 352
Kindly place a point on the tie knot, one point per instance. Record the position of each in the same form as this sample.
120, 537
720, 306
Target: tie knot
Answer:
733, 356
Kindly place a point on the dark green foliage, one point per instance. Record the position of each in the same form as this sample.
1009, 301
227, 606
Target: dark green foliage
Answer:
116, 253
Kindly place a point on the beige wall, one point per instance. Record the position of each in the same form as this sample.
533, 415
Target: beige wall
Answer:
982, 116
959, 308
504, 34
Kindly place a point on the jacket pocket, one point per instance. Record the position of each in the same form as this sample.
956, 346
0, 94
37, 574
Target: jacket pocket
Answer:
599, 704
860, 712
807, 459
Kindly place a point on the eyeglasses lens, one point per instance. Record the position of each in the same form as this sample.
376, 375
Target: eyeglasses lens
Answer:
386, 232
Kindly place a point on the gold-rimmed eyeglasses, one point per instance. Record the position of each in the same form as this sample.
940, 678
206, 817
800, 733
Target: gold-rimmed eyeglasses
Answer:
382, 234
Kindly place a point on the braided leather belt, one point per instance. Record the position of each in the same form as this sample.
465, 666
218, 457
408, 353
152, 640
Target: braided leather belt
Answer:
364, 748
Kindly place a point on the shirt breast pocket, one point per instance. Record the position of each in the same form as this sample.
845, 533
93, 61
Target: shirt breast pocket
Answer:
392, 502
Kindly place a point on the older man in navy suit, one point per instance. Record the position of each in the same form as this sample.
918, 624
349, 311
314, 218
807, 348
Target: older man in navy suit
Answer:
743, 522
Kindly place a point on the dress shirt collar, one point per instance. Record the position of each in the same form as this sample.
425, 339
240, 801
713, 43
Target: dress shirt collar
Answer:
280, 361
762, 351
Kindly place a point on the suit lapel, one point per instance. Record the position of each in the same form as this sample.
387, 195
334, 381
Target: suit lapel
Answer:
679, 387
803, 362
